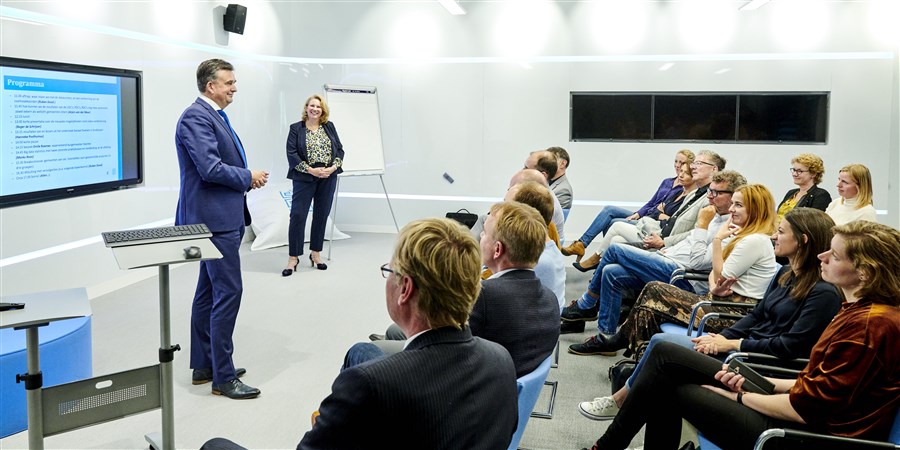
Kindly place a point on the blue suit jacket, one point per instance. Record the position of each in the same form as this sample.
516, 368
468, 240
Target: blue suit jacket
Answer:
447, 390
213, 178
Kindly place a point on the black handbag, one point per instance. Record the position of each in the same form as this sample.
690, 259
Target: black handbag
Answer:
466, 218
620, 372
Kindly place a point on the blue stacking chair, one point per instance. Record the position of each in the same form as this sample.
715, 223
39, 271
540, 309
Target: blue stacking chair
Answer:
529, 387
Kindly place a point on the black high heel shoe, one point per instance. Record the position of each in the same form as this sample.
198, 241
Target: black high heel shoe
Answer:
289, 272
320, 266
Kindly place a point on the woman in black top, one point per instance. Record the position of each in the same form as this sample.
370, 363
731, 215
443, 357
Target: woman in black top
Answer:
806, 170
315, 156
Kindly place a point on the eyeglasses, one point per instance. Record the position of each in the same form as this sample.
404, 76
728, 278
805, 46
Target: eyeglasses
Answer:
714, 193
385, 270
698, 162
797, 171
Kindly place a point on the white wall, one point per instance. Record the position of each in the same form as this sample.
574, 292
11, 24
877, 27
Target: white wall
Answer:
473, 110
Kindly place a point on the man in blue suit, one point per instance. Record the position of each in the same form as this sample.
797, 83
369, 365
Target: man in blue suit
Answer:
214, 183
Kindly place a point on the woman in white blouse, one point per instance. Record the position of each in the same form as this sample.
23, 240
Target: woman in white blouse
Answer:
855, 201
743, 266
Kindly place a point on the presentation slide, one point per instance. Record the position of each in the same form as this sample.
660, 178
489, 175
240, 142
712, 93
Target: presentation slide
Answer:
59, 129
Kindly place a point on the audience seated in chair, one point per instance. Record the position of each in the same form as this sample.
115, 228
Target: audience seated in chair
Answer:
743, 264
786, 323
807, 170
849, 387
559, 183
626, 268
855, 196
432, 284
559, 220
680, 224
514, 308
612, 214
550, 268
652, 223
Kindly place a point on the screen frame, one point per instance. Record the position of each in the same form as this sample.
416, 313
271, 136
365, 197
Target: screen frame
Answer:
128, 180
822, 114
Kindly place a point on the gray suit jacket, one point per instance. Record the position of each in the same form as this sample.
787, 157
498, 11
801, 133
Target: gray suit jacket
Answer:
516, 311
563, 191
686, 217
446, 390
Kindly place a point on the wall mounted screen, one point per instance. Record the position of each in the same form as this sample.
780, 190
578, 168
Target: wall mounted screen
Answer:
603, 117
783, 117
694, 117
755, 117
67, 130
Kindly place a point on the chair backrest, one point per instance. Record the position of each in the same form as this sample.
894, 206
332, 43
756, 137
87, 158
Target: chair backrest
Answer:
894, 436
529, 387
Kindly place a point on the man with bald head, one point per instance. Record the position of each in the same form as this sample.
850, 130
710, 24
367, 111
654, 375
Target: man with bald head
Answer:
534, 175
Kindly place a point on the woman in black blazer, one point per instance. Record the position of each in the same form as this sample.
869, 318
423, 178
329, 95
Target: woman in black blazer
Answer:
315, 156
807, 170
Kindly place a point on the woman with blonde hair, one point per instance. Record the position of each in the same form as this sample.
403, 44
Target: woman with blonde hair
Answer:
315, 156
855, 201
743, 264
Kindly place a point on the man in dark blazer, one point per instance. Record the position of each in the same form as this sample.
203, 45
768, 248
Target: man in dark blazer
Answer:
214, 182
515, 309
446, 389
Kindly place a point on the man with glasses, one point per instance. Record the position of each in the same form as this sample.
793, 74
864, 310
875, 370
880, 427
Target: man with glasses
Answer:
514, 308
446, 389
624, 267
679, 226
432, 283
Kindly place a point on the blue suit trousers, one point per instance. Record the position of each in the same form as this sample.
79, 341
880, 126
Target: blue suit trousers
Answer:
215, 309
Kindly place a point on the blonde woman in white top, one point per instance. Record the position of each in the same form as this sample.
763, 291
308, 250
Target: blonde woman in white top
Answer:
855, 201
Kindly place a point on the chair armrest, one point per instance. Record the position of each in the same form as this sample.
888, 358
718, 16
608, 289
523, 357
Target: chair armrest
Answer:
703, 303
769, 363
716, 315
786, 433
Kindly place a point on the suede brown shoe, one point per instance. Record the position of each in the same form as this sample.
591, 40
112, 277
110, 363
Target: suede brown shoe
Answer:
576, 248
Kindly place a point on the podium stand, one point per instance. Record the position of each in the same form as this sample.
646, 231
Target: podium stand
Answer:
40, 309
162, 255
96, 400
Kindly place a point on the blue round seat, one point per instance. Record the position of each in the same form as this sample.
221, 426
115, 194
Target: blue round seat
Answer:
65, 356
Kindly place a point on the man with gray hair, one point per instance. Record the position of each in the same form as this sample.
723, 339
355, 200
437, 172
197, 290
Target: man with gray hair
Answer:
215, 179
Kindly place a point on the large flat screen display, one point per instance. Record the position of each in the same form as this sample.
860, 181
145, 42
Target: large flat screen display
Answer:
67, 130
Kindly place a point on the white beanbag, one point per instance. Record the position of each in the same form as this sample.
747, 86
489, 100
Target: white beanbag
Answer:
270, 208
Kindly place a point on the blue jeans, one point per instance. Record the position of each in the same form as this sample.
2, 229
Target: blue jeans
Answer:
360, 353
625, 267
603, 221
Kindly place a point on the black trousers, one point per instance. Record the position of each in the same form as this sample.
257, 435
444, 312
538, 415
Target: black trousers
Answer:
319, 192
669, 388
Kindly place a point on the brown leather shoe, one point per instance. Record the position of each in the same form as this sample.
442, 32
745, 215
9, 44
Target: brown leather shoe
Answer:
590, 263
576, 248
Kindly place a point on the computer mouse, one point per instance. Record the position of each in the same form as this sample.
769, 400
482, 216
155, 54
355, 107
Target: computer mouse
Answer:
192, 252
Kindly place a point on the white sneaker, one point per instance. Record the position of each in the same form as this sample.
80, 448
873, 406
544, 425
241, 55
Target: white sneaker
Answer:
602, 408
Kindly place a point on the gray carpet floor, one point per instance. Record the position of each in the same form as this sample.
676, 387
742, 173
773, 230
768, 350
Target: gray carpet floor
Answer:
291, 336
